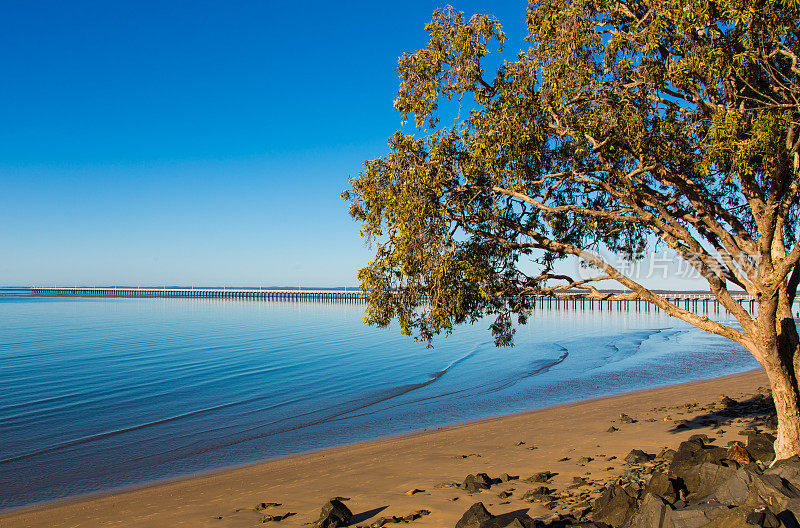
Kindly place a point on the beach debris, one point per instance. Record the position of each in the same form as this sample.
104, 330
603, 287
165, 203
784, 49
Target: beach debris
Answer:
520, 443
476, 483
476, 455
563, 459
612, 429
637, 456
624, 418
334, 514
264, 505
415, 491
449, 484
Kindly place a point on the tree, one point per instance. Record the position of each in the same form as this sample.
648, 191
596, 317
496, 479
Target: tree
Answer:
624, 123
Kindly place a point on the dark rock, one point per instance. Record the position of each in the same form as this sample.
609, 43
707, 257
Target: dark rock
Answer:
542, 476
612, 429
787, 469
696, 515
702, 439
264, 505
584, 460
382, 521
733, 518
475, 483
637, 456
706, 478
763, 517
735, 490
689, 456
614, 506
504, 494
578, 482
624, 418
652, 512
505, 477
474, 516
773, 491
666, 454
334, 514
660, 484
508, 520
538, 494
478, 517
761, 447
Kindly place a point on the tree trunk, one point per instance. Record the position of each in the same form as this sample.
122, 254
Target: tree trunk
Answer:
787, 399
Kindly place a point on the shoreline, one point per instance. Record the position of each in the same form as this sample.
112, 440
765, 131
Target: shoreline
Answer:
390, 465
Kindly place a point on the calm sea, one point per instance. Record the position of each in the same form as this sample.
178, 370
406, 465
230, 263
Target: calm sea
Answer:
103, 393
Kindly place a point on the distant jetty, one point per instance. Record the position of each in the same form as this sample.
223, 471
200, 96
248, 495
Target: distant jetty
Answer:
695, 301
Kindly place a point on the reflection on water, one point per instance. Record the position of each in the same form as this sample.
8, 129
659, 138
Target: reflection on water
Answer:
101, 393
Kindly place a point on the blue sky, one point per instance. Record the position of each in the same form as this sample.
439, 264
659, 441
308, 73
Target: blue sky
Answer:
195, 142
205, 143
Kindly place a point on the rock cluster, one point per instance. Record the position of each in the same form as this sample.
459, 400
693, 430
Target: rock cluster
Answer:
697, 485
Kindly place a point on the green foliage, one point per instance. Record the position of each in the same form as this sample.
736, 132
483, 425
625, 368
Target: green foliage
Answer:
622, 121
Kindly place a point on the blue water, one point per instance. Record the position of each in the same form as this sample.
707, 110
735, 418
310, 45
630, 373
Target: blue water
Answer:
102, 393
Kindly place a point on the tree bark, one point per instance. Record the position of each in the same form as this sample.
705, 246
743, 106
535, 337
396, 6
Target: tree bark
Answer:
786, 395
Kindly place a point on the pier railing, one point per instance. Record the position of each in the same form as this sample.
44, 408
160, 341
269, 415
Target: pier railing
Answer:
691, 301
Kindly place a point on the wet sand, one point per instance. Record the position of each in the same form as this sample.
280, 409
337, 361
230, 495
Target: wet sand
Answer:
376, 475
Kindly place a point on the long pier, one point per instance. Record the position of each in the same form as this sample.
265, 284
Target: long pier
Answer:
204, 293
697, 302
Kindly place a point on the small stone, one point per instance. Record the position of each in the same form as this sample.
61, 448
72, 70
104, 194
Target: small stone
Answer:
475, 483
612, 429
542, 476
582, 461
415, 491
624, 418
264, 505
334, 514
637, 456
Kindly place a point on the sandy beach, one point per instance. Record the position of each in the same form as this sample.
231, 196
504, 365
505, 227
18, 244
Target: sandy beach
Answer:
378, 475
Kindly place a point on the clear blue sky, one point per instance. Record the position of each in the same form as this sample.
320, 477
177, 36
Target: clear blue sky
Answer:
195, 142
205, 143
